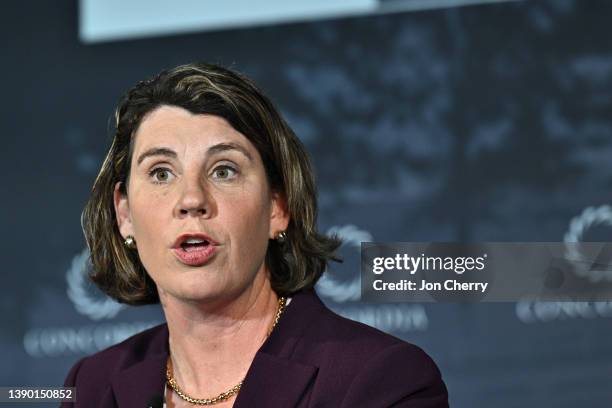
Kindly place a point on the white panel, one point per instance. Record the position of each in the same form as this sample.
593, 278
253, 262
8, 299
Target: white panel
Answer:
104, 20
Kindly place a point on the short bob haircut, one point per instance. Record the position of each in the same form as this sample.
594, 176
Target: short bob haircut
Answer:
201, 88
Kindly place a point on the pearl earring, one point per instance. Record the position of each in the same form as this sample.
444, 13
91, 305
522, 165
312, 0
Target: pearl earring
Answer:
130, 242
281, 237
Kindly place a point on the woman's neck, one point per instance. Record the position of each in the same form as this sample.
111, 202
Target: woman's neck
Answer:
212, 346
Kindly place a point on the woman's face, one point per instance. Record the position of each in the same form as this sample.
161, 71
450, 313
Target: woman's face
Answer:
198, 206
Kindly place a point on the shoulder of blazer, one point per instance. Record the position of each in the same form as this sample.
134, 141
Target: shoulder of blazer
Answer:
310, 333
93, 375
310, 321
352, 359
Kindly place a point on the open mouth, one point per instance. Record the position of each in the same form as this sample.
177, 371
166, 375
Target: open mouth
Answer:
195, 249
194, 244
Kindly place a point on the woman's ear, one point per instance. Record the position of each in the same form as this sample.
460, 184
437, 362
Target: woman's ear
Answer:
279, 215
122, 212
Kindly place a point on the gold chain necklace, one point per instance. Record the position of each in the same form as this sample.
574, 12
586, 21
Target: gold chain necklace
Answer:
232, 391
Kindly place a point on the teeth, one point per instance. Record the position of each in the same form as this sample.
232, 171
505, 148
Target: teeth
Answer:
194, 241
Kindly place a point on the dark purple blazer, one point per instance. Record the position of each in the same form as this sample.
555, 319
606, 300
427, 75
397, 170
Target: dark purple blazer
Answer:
313, 358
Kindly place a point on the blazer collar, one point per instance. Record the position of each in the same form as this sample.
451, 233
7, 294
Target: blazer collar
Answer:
273, 379
138, 384
274, 382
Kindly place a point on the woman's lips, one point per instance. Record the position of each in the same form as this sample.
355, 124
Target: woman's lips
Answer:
195, 255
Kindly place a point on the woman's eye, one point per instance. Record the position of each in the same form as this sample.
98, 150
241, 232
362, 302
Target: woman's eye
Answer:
224, 173
160, 175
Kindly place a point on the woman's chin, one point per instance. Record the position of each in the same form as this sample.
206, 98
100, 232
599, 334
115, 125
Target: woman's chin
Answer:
198, 292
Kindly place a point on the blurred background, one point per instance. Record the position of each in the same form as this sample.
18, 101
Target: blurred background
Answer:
426, 120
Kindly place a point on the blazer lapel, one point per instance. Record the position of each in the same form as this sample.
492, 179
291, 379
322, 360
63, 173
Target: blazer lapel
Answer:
138, 384
275, 382
275, 378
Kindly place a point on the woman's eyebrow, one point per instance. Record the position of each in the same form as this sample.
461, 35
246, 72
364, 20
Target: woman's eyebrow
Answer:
223, 147
157, 151
215, 149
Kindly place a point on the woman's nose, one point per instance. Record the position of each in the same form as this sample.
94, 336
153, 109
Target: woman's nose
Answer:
194, 200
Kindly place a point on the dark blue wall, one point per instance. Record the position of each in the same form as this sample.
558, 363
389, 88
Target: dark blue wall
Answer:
484, 123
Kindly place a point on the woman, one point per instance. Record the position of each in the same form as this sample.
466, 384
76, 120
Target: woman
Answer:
206, 203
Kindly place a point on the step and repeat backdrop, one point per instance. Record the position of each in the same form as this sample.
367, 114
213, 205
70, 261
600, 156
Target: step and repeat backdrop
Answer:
488, 122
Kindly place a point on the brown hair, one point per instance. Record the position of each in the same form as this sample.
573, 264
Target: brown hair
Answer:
294, 265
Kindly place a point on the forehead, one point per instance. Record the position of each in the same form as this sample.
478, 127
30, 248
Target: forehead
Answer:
186, 132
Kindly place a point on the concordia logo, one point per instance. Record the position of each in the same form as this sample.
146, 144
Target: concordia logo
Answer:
532, 311
390, 318
39, 342
80, 292
591, 216
331, 288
